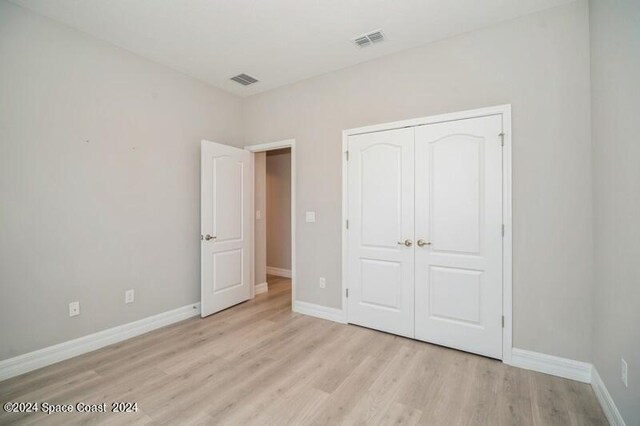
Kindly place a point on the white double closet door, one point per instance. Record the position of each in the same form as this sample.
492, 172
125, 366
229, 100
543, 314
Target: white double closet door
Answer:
425, 233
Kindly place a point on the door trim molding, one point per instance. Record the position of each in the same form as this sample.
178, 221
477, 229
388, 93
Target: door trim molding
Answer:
507, 244
263, 147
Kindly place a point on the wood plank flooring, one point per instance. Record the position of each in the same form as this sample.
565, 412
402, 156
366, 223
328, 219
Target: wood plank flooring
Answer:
258, 363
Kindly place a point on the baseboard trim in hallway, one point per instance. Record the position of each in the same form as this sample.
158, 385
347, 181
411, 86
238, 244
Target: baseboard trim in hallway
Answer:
50, 355
280, 272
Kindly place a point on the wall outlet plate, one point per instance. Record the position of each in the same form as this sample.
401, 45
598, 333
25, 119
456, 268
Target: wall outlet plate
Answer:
74, 309
322, 282
624, 372
129, 296
258, 215
310, 216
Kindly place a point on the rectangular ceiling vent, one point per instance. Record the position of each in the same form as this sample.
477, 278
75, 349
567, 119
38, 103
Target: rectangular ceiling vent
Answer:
244, 79
369, 39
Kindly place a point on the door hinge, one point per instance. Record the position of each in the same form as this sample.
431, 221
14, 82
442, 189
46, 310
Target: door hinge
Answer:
347, 293
501, 138
503, 321
347, 154
503, 229
347, 224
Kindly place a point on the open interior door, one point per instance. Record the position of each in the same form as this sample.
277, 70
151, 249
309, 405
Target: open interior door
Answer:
226, 204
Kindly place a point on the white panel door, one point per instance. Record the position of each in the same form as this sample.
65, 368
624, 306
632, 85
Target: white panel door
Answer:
226, 203
458, 225
380, 265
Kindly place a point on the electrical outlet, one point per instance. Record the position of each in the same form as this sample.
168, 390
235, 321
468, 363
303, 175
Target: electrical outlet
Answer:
310, 216
74, 309
322, 282
129, 296
624, 374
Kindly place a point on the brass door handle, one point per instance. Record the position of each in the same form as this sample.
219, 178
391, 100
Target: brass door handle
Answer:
209, 237
422, 243
406, 243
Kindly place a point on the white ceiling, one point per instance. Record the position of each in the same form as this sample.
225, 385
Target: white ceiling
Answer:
277, 41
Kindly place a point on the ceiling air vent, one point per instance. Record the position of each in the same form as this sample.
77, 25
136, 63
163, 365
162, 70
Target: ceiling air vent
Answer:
244, 79
362, 41
368, 39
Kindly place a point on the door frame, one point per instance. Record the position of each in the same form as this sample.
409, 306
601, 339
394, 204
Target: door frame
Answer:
270, 146
507, 242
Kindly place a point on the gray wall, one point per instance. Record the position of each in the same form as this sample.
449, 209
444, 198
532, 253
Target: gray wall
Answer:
279, 208
539, 64
615, 68
260, 230
99, 182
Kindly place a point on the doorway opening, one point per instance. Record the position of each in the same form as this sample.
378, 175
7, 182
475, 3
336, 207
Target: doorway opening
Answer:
274, 217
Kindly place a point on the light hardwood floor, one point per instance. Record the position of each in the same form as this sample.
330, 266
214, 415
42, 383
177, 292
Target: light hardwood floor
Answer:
259, 363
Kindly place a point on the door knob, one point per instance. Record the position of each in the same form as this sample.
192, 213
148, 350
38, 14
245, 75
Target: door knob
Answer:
407, 243
422, 243
209, 237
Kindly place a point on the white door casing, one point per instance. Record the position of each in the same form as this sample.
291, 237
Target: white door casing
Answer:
226, 205
381, 209
458, 201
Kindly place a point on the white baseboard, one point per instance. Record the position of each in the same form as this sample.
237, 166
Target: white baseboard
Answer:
272, 270
50, 355
319, 311
543, 363
549, 364
606, 402
261, 288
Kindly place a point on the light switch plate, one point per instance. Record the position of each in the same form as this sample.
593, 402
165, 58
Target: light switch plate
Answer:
310, 216
258, 214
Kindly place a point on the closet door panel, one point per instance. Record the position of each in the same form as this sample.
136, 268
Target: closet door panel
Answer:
458, 200
381, 208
